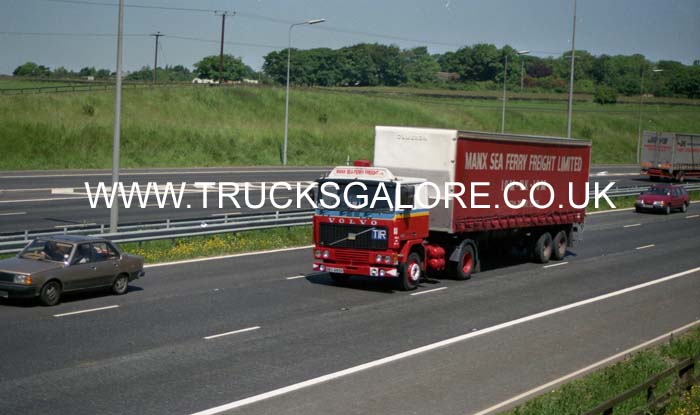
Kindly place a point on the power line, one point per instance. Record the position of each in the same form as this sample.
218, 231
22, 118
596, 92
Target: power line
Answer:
256, 17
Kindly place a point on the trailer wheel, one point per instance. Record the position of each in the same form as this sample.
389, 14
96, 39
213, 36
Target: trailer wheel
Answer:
463, 269
560, 244
411, 273
543, 248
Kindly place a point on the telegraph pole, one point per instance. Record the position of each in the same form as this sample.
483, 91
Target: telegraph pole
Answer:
114, 211
155, 63
571, 80
221, 51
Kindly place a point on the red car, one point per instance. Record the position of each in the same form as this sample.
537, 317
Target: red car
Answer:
663, 198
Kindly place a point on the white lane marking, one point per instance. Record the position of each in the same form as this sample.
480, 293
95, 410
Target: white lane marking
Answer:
214, 258
48, 199
13, 213
413, 352
558, 264
86, 311
162, 173
644, 247
296, 277
228, 333
429, 291
691, 216
633, 225
62, 191
587, 369
76, 225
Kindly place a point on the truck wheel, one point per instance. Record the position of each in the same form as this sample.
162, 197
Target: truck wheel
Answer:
543, 248
411, 273
50, 293
560, 244
463, 269
339, 278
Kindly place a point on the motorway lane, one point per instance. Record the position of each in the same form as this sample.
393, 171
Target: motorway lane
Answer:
151, 348
27, 201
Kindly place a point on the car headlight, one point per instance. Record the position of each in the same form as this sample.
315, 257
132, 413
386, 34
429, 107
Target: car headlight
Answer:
659, 203
23, 279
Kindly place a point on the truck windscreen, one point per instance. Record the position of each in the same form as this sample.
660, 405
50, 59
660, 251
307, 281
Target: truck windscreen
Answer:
356, 196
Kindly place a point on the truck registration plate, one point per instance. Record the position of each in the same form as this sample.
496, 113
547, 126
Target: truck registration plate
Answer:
335, 270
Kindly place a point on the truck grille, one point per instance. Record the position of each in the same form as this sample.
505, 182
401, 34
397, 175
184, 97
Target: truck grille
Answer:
352, 257
339, 236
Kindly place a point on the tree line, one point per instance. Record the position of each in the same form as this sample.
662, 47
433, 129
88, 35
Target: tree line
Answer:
477, 66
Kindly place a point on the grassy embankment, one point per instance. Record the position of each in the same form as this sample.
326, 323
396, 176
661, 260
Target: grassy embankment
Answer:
205, 126
585, 393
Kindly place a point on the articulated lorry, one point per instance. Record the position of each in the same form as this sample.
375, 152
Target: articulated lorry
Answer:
420, 227
670, 156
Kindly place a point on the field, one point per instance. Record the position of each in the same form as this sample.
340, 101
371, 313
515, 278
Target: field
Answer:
208, 126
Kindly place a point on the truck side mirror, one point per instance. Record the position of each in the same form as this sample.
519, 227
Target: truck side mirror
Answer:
408, 195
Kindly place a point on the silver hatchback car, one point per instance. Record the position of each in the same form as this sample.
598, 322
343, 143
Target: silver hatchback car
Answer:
48, 267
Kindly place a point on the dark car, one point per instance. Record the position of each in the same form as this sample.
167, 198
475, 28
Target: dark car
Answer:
663, 198
48, 267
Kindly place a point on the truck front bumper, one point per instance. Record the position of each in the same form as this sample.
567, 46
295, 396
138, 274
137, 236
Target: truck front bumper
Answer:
360, 270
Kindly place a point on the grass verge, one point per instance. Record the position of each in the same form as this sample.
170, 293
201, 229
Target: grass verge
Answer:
222, 244
585, 393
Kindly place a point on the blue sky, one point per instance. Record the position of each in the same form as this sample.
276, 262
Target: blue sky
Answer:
665, 29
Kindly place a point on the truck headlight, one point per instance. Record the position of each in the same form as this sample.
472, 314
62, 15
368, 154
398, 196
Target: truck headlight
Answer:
378, 258
23, 279
387, 259
317, 254
326, 254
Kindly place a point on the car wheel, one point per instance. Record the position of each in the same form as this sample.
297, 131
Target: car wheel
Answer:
668, 209
638, 209
684, 207
120, 284
50, 294
411, 273
560, 244
543, 248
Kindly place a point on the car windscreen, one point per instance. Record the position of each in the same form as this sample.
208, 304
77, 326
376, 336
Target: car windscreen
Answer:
657, 191
42, 250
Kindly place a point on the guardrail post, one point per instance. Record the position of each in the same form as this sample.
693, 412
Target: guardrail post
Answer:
277, 214
685, 376
26, 235
102, 228
650, 394
65, 230
167, 224
225, 217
